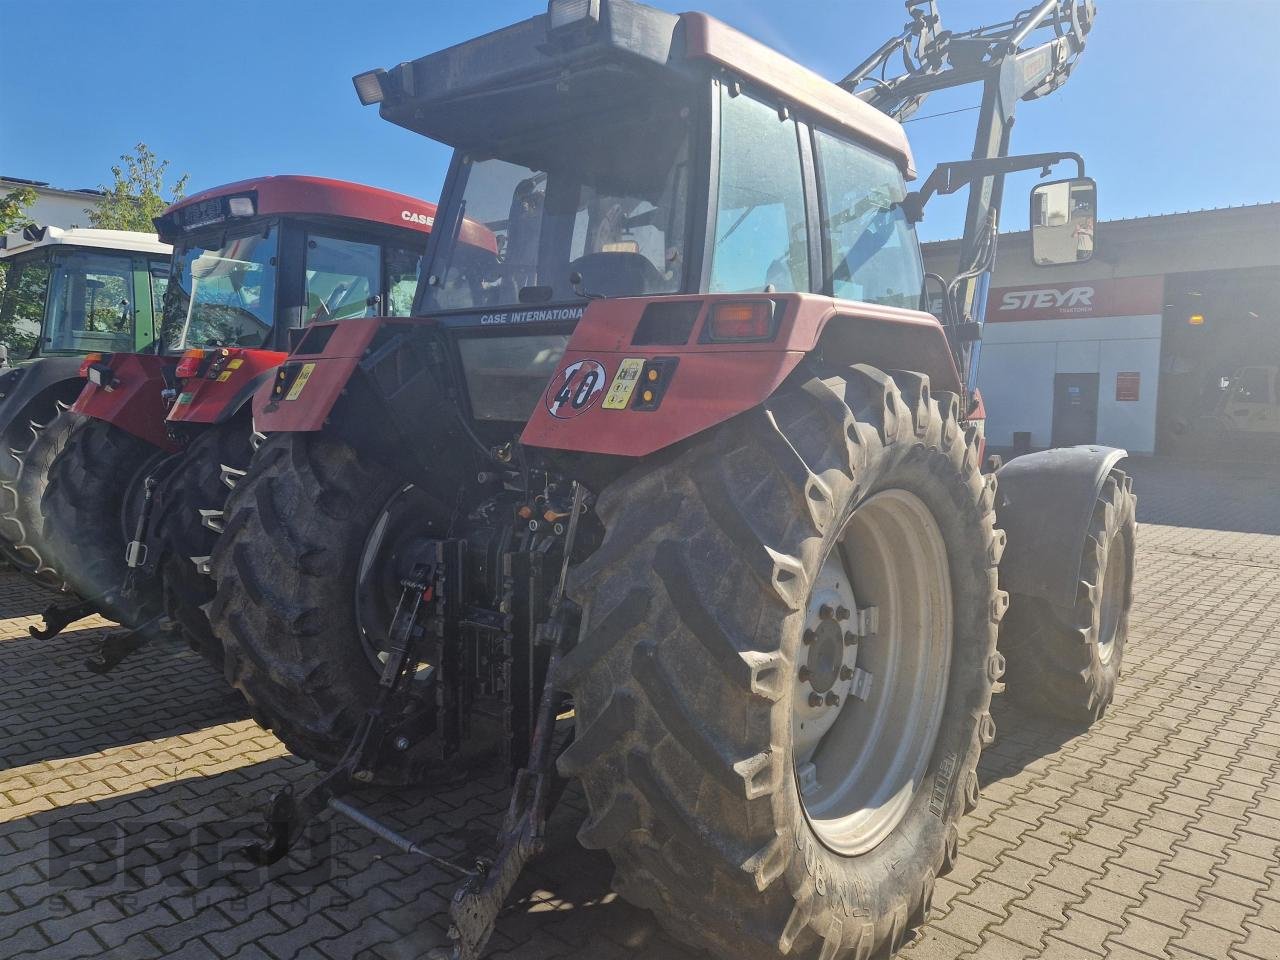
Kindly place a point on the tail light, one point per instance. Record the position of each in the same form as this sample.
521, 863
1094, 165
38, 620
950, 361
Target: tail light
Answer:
189, 365
89, 360
740, 322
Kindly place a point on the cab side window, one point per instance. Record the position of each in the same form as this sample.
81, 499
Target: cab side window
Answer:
761, 234
402, 280
343, 278
92, 303
875, 257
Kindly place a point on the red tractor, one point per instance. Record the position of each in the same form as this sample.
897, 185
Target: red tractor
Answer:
679, 493
134, 500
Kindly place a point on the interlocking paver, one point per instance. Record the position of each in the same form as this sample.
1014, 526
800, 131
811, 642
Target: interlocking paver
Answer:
1156, 834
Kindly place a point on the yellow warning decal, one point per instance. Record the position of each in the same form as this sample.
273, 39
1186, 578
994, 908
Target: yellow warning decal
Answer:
303, 376
624, 384
236, 364
224, 376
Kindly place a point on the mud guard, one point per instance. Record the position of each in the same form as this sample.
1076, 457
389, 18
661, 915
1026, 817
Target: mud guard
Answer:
20, 386
134, 403
1044, 501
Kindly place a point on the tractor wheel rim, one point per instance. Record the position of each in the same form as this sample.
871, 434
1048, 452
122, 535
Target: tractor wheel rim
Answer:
861, 753
1111, 605
395, 530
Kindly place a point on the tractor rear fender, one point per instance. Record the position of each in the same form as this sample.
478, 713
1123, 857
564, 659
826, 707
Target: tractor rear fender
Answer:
371, 382
220, 393
1044, 502
25, 388
301, 394
699, 382
132, 396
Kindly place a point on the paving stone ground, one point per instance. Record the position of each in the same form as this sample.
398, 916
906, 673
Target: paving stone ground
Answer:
1156, 834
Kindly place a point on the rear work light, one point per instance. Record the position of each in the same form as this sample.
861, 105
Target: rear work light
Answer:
740, 322
189, 365
369, 86
240, 206
89, 360
566, 13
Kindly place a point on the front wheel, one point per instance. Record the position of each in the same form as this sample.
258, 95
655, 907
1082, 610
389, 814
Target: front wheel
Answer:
1064, 662
784, 670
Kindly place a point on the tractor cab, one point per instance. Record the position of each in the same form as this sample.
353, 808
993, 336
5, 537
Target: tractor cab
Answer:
74, 291
258, 258
254, 261
617, 151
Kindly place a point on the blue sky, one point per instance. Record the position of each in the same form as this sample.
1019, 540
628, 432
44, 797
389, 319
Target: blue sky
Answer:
1174, 105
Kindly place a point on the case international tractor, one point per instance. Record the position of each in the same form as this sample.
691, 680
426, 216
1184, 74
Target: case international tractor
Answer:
680, 493
156, 440
66, 293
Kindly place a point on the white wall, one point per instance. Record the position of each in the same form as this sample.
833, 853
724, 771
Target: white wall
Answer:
1019, 361
59, 210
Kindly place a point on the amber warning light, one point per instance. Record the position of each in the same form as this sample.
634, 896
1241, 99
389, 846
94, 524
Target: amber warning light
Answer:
739, 322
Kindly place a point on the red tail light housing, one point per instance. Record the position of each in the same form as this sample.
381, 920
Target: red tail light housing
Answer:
189, 365
746, 321
89, 360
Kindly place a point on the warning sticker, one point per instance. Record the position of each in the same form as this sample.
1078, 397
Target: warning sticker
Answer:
575, 391
624, 384
303, 376
224, 376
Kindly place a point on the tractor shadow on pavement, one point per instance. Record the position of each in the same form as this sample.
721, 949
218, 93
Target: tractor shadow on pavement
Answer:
53, 707
1234, 496
1021, 739
153, 869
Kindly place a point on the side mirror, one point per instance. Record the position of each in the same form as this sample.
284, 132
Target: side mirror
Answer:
1064, 215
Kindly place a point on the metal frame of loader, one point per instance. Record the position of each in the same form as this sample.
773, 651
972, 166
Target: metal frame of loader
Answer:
535, 635
166, 398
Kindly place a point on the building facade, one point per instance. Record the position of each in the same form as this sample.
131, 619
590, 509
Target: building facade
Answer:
55, 207
1168, 339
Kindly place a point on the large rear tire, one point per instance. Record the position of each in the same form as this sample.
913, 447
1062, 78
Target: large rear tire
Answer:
711, 631
21, 520
215, 458
287, 567
95, 486
1064, 661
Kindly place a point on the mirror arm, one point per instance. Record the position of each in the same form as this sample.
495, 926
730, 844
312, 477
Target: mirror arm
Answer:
947, 178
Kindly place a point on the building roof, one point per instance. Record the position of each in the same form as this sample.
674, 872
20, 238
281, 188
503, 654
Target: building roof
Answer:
1176, 220
130, 240
41, 186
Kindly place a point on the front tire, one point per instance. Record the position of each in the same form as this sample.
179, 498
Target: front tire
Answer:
1064, 661
695, 664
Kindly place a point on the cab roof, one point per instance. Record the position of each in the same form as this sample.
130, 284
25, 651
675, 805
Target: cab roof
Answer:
129, 240
444, 95
314, 196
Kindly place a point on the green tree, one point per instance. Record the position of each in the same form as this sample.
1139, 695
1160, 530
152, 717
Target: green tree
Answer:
13, 207
19, 303
137, 195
